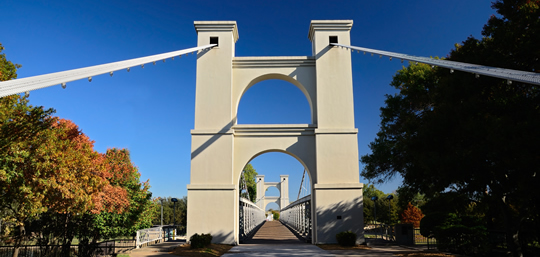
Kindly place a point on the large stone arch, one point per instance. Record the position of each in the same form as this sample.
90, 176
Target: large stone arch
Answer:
258, 75
327, 147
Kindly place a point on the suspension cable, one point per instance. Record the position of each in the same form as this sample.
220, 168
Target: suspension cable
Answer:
23, 85
507, 74
244, 186
301, 184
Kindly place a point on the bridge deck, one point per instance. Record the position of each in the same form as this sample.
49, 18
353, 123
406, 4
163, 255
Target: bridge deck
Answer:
273, 232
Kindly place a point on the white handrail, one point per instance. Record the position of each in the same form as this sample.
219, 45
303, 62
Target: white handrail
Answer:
148, 235
251, 216
297, 215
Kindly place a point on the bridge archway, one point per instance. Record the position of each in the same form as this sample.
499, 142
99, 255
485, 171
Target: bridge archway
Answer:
278, 190
262, 200
271, 190
272, 205
327, 147
279, 78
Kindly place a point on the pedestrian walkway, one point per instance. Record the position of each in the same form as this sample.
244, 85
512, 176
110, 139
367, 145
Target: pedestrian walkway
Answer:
273, 232
274, 239
157, 250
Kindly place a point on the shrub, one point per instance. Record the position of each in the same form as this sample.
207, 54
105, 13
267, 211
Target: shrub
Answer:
200, 241
457, 234
346, 238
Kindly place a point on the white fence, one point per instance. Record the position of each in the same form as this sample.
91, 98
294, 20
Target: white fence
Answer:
149, 235
297, 215
251, 216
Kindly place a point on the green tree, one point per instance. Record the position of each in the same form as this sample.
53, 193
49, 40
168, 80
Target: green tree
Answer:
168, 211
476, 137
46, 164
124, 206
250, 176
84, 194
387, 209
8, 70
53, 183
456, 232
275, 215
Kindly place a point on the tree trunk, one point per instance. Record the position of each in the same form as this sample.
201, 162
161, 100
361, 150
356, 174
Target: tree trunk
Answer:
68, 237
18, 241
512, 230
512, 240
16, 251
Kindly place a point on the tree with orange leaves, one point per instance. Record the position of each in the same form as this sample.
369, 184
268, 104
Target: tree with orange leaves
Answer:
50, 171
411, 215
125, 206
54, 183
46, 164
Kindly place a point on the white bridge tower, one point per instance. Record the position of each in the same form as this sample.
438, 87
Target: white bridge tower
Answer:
327, 148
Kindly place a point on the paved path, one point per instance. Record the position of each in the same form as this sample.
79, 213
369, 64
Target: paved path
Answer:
157, 250
274, 239
273, 232
375, 251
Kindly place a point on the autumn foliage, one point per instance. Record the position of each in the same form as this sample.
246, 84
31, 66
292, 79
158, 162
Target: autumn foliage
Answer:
411, 215
50, 173
55, 185
117, 172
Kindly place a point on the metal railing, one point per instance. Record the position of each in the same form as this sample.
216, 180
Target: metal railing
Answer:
148, 235
35, 251
297, 215
102, 249
251, 217
419, 239
381, 230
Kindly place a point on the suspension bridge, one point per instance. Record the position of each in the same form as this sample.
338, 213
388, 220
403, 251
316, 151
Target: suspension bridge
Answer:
327, 147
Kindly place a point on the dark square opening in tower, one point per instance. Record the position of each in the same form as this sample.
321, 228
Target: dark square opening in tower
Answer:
333, 40
214, 40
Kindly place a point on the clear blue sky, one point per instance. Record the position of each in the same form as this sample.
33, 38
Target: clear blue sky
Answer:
150, 111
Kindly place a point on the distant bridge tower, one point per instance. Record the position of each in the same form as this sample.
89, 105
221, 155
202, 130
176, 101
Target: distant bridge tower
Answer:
283, 186
327, 148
